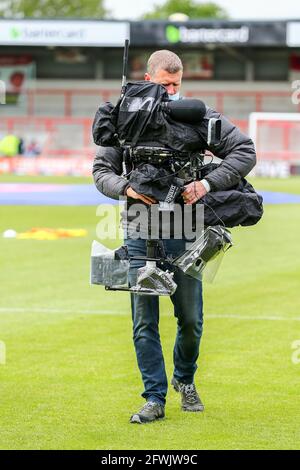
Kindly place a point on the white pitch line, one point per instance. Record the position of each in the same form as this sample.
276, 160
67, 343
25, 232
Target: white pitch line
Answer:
59, 310
114, 312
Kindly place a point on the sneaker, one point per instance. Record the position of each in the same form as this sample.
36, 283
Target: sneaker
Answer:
150, 412
190, 400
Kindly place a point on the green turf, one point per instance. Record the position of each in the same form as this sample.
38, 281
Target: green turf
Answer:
71, 380
284, 185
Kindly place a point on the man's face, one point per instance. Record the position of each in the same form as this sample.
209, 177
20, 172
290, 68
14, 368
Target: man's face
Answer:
171, 81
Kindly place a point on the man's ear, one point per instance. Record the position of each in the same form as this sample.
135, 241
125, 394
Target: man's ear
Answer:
147, 77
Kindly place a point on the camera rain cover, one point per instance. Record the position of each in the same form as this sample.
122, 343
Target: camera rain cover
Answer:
140, 119
155, 182
205, 254
106, 269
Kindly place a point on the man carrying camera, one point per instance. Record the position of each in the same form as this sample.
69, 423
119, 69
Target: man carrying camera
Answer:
238, 158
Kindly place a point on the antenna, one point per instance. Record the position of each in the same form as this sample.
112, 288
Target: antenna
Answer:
125, 63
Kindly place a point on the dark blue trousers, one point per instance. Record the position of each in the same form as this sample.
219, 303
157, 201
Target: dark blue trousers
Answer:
188, 303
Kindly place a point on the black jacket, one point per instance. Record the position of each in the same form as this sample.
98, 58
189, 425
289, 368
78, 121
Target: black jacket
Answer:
235, 149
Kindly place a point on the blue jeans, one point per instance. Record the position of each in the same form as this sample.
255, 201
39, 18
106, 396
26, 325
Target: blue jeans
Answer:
187, 301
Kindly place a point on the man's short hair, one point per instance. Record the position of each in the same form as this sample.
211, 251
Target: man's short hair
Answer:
164, 60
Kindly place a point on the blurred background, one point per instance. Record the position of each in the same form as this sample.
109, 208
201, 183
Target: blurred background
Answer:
60, 62
68, 373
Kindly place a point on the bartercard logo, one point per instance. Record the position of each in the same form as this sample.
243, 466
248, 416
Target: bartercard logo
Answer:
2, 353
175, 34
15, 33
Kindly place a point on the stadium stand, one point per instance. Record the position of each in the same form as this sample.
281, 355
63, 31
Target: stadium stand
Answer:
66, 84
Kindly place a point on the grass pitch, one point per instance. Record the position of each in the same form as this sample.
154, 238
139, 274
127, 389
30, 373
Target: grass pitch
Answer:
71, 381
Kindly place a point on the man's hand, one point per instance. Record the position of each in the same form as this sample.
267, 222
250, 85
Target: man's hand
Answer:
134, 195
193, 192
